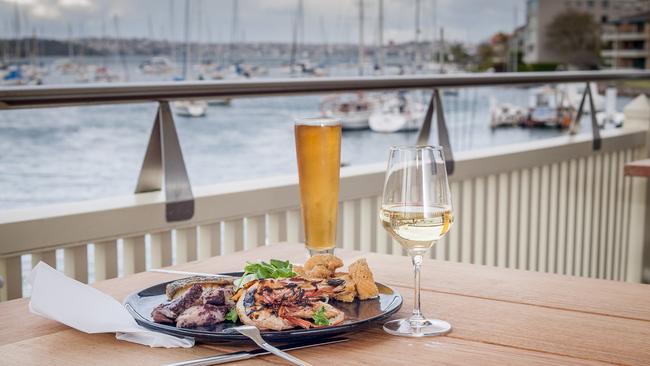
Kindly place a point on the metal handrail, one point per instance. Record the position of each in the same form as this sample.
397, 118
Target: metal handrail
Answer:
69, 95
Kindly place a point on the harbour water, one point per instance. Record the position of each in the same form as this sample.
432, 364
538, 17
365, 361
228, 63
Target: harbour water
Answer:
80, 153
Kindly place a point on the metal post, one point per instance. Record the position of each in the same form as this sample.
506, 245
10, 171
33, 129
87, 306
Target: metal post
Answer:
595, 129
163, 162
443, 134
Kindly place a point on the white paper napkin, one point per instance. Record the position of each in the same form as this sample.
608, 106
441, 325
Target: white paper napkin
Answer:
77, 305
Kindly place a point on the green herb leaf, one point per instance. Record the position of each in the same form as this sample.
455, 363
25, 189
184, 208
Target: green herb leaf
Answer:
284, 273
320, 318
262, 270
231, 316
281, 264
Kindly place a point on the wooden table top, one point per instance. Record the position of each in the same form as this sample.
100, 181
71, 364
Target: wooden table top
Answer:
500, 316
638, 168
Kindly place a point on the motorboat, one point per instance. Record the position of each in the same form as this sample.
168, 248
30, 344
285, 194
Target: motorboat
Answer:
220, 102
610, 115
353, 113
190, 108
66, 66
157, 65
397, 114
306, 67
104, 74
550, 107
506, 115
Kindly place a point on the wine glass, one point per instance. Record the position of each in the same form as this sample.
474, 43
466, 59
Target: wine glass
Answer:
416, 211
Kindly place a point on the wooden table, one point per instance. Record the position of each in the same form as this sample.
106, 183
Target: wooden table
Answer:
500, 316
638, 168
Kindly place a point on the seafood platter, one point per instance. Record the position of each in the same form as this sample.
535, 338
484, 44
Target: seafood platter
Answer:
286, 302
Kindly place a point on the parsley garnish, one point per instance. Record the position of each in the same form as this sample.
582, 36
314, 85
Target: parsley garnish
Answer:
232, 315
275, 269
320, 318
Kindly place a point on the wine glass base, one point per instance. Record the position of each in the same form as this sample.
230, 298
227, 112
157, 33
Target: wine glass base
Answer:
423, 328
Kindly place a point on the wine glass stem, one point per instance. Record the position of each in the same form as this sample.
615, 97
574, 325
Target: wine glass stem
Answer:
417, 263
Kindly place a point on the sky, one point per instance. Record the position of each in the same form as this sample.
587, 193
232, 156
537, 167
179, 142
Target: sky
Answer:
330, 21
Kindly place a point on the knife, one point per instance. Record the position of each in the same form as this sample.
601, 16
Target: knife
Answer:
245, 355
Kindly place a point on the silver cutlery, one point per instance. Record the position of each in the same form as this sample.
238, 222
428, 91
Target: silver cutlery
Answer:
254, 334
245, 355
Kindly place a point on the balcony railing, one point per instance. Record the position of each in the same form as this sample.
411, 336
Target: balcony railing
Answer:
554, 205
624, 36
626, 53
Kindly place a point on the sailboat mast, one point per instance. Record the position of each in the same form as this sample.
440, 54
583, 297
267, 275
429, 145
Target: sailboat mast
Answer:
34, 47
79, 40
323, 32
199, 25
434, 42
70, 44
361, 50
381, 36
5, 49
296, 26
416, 50
234, 30
441, 52
515, 56
17, 29
172, 32
186, 53
104, 42
120, 48
26, 40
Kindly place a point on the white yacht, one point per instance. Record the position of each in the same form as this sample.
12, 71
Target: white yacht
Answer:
397, 114
353, 113
190, 108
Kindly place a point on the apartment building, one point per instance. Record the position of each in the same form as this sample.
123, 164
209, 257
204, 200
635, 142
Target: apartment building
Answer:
540, 13
626, 42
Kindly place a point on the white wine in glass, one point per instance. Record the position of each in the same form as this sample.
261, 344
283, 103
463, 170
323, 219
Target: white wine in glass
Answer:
416, 211
414, 226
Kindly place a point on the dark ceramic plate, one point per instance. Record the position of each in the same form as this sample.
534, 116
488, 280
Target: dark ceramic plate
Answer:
358, 314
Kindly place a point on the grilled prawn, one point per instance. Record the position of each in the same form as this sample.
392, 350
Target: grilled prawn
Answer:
280, 304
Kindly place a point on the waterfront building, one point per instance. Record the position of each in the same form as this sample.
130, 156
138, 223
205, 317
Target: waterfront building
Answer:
626, 42
540, 13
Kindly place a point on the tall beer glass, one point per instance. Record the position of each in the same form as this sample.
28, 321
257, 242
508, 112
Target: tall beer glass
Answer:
318, 150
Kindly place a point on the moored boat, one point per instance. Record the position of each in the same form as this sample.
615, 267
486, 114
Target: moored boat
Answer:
190, 108
353, 113
157, 65
397, 114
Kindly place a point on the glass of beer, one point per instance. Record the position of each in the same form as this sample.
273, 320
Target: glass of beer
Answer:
318, 151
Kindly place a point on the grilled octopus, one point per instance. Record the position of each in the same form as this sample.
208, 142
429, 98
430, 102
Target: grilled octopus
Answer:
280, 304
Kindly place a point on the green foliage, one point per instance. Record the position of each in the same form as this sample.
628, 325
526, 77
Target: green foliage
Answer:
575, 38
320, 318
232, 316
275, 269
485, 55
543, 66
459, 53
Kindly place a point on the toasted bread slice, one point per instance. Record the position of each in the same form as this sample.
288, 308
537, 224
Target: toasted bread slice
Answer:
363, 280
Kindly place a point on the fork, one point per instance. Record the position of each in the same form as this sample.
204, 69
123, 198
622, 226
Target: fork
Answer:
254, 334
